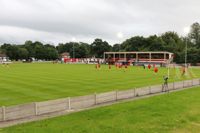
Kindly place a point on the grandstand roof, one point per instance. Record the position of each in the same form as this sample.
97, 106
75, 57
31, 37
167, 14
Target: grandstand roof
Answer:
138, 52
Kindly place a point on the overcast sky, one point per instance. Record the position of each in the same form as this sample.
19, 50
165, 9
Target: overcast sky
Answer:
54, 21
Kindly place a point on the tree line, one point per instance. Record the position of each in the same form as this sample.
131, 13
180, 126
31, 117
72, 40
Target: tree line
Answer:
168, 41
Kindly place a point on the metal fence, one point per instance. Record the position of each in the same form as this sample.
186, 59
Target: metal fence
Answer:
82, 102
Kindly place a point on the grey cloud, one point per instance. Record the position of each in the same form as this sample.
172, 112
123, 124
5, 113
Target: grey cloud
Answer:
87, 19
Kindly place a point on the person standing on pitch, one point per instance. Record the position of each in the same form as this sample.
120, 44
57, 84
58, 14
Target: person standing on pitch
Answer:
165, 85
144, 66
109, 66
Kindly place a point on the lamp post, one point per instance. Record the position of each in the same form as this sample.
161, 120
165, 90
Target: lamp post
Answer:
186, 31
186, 52
73, 40
168, 70
120, 37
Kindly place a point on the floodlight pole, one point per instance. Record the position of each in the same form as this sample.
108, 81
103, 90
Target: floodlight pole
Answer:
73, 52
120, 39
186, 54
168, 71
168, 62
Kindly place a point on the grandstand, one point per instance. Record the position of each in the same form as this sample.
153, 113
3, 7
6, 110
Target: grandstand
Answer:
139, 58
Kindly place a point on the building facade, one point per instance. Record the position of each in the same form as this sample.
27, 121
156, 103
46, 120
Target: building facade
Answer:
3, 58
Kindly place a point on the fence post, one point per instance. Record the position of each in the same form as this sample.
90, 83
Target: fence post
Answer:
69, 103
36, 108
149, 89
192, 82
95, 98
116, 93
4, 113
134, 92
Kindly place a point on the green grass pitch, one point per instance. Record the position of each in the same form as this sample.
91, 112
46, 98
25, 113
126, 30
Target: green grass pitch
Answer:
23, 83
177, 112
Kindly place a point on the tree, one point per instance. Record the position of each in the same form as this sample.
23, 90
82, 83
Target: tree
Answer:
137, 43
116, 47
64, 47
30, 46
83, 50
193, 55
171, 39
173, 43
51, 52
73, 49
23, 53
155, 43
40, 51
98, 47
194, 34
12, 51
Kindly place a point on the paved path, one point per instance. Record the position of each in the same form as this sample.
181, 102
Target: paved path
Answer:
60, 113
